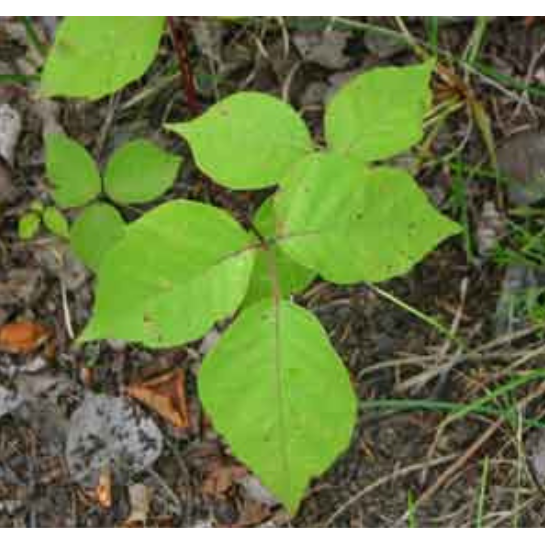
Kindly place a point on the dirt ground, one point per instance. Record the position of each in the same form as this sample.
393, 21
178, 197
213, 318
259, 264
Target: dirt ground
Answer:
449, 430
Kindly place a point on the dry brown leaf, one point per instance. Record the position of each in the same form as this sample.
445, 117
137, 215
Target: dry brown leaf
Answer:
86, 376
221, 479
164, 394
22, 337
104, 489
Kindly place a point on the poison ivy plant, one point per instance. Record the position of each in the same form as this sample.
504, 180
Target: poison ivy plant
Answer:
137, 172
273, 384
95, 56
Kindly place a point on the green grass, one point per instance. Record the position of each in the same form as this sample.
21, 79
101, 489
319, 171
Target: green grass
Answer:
485, 406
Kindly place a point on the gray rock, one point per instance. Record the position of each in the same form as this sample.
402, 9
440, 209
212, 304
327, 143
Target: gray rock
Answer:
323, 48
521, 161
10, 129
59, 260
255, 491
9, 401
384, 46
491, 228
110, 432
519, 283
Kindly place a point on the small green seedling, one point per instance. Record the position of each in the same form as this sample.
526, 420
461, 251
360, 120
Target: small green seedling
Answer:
49, 216
273, 385
138, 172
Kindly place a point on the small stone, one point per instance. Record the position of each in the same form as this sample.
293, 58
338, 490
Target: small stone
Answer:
490, 229
323, 48
521, 161
35, 365
114, 433
256, 491
510, 314
10, 129
384, 46
9, 401
58, 259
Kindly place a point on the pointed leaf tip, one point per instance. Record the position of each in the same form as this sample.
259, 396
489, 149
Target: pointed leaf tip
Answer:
280, 358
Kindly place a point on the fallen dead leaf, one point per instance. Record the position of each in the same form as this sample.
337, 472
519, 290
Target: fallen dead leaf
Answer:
87, 376
165, 395
104, 489
22, 337
221, 478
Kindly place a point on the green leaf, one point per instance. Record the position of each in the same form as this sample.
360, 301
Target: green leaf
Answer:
37, 206
379, 113
274, 269
351, 223
275, 388
96, 230
29, 225
246, 141
96, 56
71, 170
178, 270
55, 221
140, 172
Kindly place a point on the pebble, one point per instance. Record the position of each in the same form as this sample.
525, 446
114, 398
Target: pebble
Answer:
323, 48
521, 160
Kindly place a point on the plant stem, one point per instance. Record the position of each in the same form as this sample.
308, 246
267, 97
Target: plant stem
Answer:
179, 41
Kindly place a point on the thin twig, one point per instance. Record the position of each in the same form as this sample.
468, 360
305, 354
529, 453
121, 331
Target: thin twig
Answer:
179, 40
469, 453
396, 474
